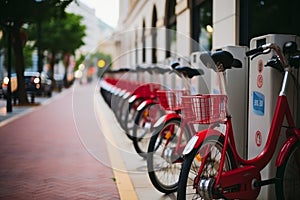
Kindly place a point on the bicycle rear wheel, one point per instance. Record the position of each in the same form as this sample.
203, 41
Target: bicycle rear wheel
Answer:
143, 127
163, 161
130, 113
188, 184
288, 175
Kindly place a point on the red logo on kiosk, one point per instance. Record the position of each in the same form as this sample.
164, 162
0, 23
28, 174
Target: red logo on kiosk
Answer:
258, 138
260, 65
259, 81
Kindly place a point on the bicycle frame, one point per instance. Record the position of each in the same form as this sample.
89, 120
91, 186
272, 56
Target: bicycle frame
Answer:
245, 180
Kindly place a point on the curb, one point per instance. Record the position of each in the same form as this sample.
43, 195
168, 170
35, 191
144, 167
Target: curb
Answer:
123, 180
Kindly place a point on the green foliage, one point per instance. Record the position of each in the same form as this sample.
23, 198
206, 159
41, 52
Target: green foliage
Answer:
14, 13
27, 50
60, 35
31, 10
79, 61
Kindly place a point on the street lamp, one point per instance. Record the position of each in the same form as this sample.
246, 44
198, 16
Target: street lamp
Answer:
101, 63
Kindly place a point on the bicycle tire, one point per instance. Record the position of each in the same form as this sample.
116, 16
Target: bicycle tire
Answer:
142, 133
130, 115
288, 175
123, 109
191, 166
164, 174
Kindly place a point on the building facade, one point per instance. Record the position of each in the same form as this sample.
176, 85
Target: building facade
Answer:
155, 30
96, 30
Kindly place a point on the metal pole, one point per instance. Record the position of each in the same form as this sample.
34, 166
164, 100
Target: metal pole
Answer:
8, 99
40, 56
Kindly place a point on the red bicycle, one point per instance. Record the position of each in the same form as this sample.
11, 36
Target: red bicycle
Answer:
213, 169
170, 134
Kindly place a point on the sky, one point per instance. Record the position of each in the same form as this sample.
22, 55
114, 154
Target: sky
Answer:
106, 10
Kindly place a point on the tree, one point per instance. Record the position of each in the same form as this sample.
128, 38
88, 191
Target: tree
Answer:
14, 13
64, 36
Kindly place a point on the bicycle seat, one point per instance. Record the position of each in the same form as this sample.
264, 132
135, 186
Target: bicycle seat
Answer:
123, 70
290, 48
143, 69
220, 57
174, 65
160, 70
189, 72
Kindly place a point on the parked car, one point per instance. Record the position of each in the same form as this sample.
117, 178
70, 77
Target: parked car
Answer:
32, 85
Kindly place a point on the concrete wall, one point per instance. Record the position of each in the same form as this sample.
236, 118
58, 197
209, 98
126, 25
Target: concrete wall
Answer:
129, 32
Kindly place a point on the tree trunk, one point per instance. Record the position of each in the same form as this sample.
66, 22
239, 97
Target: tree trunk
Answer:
66, 62
20, 63
51, 70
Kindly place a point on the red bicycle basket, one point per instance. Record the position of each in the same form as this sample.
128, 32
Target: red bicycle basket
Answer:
171, 99
204, 109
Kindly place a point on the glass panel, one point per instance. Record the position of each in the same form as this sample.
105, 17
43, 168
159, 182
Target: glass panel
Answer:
173, 47
206, 28
276, 16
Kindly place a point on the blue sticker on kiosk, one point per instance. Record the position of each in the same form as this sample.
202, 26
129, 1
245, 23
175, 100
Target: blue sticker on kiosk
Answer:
258, 103
215, 91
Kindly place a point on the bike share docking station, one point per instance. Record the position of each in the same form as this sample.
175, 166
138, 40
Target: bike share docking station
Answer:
264, 88
252, 94
237, 91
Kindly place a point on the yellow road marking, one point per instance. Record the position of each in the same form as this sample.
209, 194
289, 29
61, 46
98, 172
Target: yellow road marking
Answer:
123, 181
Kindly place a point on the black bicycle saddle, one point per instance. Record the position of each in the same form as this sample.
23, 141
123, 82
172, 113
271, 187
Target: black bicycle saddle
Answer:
188, 71
220, 57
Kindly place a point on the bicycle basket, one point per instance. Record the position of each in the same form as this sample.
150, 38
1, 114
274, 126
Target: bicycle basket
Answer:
204, 109
171, 99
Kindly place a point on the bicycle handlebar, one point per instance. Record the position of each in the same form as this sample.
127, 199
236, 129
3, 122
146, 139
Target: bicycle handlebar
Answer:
267, 46
260, 49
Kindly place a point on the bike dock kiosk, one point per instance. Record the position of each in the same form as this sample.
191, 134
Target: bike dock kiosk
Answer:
252, 92
237, 82
264, 88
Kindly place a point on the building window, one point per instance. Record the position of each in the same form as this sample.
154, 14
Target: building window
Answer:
136, 47
170, 23
144, 43
261, 17
154, 36
202, 29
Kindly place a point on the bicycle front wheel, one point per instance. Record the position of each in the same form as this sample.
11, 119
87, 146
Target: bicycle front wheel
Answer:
164, 155
143, 127
189, 175
288, 176
130, 113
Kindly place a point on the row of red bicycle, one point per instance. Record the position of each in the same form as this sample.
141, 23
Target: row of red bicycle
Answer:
179, 135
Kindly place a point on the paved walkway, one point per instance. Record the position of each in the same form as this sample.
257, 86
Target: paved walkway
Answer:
70, 147
44, 155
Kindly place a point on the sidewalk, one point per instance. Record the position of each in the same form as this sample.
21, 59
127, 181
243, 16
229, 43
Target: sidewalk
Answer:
71, 147
43, 157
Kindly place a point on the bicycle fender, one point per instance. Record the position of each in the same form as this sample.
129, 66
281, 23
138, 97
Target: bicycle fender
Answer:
144, 104
163, 119
282, 156
122, 92
197, 139
126, 95
132, 98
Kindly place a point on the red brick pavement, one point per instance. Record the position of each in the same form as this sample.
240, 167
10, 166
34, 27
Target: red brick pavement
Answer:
42, 155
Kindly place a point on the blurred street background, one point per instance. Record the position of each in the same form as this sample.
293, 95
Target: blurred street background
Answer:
59, 138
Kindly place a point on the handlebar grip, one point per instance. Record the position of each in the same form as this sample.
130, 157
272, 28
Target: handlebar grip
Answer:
255, 51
